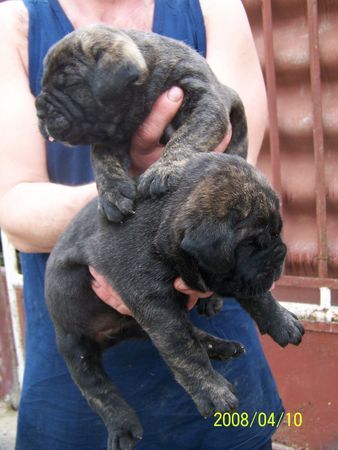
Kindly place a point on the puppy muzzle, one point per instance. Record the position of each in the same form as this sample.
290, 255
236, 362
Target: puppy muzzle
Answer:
61, 119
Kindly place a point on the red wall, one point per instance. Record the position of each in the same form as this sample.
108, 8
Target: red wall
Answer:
307, 378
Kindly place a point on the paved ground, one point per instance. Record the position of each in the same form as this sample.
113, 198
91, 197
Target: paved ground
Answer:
7, 427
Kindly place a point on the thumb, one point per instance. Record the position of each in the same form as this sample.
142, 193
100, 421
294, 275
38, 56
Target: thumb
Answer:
163, 111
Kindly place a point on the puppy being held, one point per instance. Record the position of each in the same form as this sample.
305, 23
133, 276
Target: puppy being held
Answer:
98, 86
219, 230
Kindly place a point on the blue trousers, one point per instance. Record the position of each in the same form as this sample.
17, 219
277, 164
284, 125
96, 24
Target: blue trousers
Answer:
53, 415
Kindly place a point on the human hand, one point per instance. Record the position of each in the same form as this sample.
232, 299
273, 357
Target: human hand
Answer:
109, 296
145, 145
193, 295
106, 293
221, 147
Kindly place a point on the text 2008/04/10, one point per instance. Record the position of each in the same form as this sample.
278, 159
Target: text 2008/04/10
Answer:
262, 419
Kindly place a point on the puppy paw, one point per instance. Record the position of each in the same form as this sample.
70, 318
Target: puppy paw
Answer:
214, 395
209, 306
220, 349
285, 328
126, 436
160, 178
118, 202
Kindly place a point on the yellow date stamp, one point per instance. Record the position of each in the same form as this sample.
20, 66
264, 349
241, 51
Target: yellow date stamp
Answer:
260, 419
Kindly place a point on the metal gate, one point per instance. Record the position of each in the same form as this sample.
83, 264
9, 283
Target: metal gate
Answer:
295, 44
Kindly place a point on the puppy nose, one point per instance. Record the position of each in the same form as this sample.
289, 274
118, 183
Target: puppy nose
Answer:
38, 105
283, 250
41, 106
279, 251
40, 114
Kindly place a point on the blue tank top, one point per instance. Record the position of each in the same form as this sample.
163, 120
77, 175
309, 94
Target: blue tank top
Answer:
53, 415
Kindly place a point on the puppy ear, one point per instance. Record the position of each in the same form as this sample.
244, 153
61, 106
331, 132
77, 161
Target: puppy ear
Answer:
211, 245
189, 272
119, 65
186, 265
110, 79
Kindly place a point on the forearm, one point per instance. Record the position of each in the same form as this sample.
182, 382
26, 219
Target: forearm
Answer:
256, 112
232, 55
250, 87
34, 215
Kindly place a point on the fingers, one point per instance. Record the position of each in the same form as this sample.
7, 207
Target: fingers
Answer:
180, 286
145, 147
162, 113
107, 294
221, 147
193, 299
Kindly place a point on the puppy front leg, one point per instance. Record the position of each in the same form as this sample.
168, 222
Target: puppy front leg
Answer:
272, 318
83, 358
116, 189
167, 325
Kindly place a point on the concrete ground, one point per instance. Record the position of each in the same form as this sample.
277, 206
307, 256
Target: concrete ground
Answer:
8, 418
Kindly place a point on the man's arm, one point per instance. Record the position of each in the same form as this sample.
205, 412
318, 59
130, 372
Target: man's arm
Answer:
232, 55
33, 211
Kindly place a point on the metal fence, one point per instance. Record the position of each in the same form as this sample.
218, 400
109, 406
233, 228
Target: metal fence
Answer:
14, 282
324, 310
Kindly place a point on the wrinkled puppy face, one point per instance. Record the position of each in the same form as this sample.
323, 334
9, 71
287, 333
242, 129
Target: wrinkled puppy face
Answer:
232, 227
86, 75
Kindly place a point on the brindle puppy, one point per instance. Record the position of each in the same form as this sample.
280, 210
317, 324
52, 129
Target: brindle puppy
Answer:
220, 231
98, 86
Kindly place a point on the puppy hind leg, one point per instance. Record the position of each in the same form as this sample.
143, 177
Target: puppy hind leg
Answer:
238, 144
219, 349
200, 131
168, 327
83, 358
